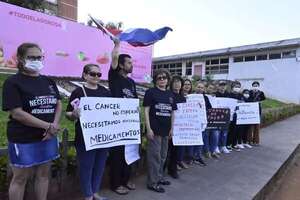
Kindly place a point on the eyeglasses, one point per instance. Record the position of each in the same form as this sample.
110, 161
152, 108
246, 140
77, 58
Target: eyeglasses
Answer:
94, 74
33, 58
161, 78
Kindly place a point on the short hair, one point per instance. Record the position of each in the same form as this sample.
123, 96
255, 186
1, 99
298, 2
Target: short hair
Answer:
222, 83
121, 59
22, 51
246, 90
87, 68
159, 72
188, 80
174, 79
255, 83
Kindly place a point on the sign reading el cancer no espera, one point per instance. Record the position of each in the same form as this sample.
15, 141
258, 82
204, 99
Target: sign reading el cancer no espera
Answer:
108, 122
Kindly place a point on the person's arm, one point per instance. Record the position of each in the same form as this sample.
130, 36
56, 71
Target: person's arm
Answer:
262, 96
115, 54
55, 125
172, 123
150, 133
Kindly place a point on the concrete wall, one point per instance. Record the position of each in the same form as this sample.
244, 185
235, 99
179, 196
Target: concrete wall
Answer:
280, 78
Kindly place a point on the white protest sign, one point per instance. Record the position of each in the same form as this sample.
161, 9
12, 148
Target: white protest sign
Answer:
131, 153
248, 113
199, 99
227, 103
108, 122
213, 101
187, 126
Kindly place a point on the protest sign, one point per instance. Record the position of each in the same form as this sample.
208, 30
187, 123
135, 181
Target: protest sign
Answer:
132, 153
227, 103
218, 118
187, 126
108, 122
248, 113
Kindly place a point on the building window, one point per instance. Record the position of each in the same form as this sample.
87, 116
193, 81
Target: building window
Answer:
217, 66
262, 57
249, 58
289, 54
188, 69
174, 68
238, 59
274, 56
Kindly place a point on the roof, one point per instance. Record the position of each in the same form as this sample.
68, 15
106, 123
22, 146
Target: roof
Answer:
233, 50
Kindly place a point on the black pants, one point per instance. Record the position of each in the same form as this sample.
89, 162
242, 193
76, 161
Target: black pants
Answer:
245, 130
172, 158
119, 170
230, 135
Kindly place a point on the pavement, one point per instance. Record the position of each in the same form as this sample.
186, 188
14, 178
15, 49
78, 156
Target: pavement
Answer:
236, 176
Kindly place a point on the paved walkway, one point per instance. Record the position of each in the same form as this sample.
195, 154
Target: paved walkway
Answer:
237, 176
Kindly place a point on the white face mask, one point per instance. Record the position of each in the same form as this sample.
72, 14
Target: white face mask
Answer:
246, 96
255, 88
34, 65
237, 89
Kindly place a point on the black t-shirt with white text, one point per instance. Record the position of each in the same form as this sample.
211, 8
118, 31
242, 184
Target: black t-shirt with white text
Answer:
121, 87
78, 93
37, 96
161, 104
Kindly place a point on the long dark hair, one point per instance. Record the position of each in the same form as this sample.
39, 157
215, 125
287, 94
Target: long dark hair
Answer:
22, 51
174, 79
188, 80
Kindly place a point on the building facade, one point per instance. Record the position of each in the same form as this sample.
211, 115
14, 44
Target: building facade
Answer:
276, 65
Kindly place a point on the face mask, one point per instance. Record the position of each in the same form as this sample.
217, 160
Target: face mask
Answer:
35, 65
236, 89
255, 88
246, 96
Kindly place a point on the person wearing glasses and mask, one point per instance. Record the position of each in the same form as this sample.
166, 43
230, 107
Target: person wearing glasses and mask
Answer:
159, 103
34, 107
92, 162
257, 96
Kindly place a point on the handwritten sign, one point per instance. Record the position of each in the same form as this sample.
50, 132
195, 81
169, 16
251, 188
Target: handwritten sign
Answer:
187, 127
248, 113
108, 122
218, 118
227, 103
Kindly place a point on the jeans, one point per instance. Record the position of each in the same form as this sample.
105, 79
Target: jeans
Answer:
223, 138
91, 168
210, 140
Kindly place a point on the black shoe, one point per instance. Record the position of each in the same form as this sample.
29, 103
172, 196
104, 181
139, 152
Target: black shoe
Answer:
174, 175
156, 188
164, 182
200, 161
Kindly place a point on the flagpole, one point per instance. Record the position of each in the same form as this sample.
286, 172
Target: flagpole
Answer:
103, 29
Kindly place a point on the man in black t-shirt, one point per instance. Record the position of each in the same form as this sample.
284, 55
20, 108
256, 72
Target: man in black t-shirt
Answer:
121, 86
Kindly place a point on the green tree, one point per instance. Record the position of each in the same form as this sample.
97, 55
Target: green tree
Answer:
30, 4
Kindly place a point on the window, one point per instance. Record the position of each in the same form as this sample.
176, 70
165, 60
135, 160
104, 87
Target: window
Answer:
174, 68
289, 54
238, 59
217, 66
188, 69
274, 56
249, 58
262, 57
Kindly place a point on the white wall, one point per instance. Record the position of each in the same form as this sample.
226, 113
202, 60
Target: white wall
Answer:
280, 78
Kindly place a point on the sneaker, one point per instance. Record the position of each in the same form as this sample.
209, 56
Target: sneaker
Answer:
156, 188
98, 197
236, 148
179, 167
225, 150
164, 182
183, 165
207, 155
215, 155
248, 146
241, 146
217, 150
229, 148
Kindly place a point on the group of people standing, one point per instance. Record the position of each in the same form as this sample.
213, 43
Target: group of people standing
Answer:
34, 105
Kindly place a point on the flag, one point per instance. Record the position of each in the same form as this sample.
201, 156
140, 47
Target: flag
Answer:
143, 37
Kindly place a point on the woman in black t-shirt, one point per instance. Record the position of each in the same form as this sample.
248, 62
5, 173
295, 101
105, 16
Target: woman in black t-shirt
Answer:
92, 162
34, 107
159, 106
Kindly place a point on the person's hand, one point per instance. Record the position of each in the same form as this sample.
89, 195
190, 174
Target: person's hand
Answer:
116, 41
150, 134
76, 113
54, 128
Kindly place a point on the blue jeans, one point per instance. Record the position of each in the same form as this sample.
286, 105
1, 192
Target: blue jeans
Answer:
223, 138
198, 151
210, 140
91, 168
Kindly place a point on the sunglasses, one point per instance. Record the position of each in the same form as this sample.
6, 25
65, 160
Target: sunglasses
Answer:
33, 58
161, 78
94, 74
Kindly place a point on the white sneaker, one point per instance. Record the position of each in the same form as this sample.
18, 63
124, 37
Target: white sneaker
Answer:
241, 146
248, 146
217, 150
225, 150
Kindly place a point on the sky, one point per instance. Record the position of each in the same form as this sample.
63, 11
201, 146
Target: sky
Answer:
201, 24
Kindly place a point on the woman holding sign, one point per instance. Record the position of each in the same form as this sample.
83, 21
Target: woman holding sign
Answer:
34, 107
159, 114
92, 162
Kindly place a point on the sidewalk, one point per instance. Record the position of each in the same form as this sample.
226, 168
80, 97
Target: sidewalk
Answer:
237, 176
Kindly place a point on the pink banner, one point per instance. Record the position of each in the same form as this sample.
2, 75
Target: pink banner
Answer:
67, 45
